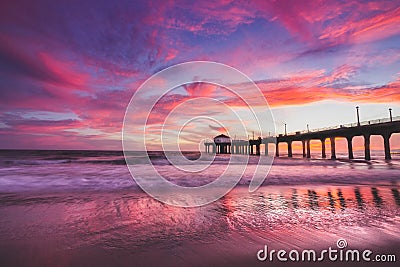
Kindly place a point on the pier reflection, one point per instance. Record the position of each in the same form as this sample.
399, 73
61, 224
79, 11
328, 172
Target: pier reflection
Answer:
377, 199
342, 201
396, 196
331, 201
294, 199
313, 199
360, 201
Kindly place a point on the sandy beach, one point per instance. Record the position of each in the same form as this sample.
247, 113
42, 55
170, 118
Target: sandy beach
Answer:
122, 228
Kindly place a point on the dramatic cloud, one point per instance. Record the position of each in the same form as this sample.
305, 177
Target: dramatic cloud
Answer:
77, 64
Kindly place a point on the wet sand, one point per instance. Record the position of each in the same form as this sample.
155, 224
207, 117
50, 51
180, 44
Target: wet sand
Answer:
127, 228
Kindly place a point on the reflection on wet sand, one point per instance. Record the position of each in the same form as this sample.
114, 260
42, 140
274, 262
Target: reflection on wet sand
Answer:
340, 198
396, 196
360, 201
342, 201
312, 199
377, 199
331, 201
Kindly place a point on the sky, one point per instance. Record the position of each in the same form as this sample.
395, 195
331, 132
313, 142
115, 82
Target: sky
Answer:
68, 69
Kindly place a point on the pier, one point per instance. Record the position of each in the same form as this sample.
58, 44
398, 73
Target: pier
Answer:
383, 127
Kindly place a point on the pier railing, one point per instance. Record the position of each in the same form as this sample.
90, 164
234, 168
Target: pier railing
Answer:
348, 125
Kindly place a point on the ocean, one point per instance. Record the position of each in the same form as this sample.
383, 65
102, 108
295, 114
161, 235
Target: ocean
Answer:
82, 208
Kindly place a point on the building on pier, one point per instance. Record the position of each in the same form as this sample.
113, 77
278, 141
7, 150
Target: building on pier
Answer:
224, 145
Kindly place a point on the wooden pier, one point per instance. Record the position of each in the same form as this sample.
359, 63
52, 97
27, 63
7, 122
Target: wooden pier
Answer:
382, 127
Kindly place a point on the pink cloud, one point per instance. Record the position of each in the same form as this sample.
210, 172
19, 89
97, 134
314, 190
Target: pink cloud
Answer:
319, 22
200, 89
298, 95
67, 71
367, 29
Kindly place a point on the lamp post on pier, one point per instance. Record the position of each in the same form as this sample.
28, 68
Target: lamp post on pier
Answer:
358, 115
